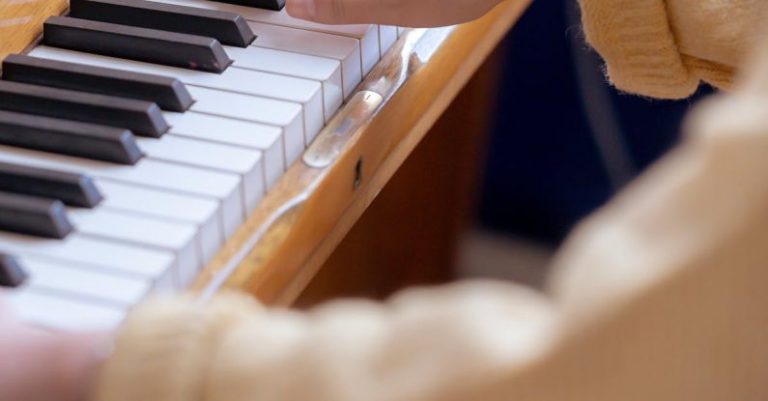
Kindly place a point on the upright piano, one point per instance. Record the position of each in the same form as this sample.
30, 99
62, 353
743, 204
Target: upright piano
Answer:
151, 147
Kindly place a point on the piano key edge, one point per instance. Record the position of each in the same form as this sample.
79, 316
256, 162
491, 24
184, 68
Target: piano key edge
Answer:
287, 238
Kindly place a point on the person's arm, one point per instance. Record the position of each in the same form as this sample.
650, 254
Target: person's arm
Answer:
656, 48
695, 207
421, 343
181, 351
422, 13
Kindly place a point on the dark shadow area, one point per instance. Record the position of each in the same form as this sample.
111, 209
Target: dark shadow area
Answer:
546, 168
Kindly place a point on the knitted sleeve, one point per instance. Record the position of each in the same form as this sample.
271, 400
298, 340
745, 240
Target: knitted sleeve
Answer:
698, 205
234, 350
636, 41
664, 48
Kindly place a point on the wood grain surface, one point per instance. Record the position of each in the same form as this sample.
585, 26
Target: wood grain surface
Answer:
21, 22
324, 204
412, 232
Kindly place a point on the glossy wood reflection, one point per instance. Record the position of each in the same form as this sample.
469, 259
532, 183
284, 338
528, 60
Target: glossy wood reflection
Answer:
294, 245
410, 234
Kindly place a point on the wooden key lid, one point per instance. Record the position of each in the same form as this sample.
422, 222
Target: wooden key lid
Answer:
21, 22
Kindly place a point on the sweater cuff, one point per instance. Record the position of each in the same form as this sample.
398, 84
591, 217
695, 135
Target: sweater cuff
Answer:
636, 42
164, 346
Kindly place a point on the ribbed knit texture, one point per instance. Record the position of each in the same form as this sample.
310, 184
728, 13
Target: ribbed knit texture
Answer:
164, 348
635, 40
664, 48
717, 75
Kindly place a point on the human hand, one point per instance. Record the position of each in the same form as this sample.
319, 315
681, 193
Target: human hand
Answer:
410, 13
36, 365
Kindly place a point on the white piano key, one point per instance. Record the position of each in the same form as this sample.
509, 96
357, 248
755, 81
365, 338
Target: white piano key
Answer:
400, 31
274, 98
59, 312
99, 222
275, 17
223, 187
281, 114
235, 80
170, 206
71, 279
275, 147
370, 50
325, 70
179, 238
387, 37
248, 164
367, 35
154, 265
344, 49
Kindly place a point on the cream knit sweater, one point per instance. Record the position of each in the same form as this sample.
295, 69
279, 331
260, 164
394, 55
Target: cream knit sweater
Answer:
463, 339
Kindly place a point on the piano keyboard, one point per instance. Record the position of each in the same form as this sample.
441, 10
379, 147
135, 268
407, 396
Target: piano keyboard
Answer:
136, 138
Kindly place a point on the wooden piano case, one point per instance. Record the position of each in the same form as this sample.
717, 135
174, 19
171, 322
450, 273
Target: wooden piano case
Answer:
287, 239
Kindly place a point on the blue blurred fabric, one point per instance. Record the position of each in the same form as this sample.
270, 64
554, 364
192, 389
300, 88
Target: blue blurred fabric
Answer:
544, 169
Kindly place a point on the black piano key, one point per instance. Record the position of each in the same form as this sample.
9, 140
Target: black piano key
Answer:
169, 93
142, 44
143, 118
227, 28
72, 189
91, 141
33, 216
12, 275
267, 4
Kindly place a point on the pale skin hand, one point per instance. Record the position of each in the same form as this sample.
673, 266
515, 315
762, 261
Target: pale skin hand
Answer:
410, 13
39, 366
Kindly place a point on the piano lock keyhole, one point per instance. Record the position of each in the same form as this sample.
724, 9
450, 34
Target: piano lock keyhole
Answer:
358, 174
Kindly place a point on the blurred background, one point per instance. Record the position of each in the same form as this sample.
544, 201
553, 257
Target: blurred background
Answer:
583, 142
536, 141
